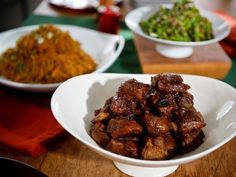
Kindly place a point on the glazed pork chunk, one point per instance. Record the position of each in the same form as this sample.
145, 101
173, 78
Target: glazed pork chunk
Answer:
156, 125
149, 121
123, 127
130, 98
124, 147
159, 147
169, 83
99, 134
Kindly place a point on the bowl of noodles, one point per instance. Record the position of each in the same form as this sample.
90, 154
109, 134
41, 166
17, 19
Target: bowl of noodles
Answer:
41, 57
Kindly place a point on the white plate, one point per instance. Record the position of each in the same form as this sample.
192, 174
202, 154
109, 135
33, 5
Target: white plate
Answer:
220, 30
73, 106
78, 4
104, 48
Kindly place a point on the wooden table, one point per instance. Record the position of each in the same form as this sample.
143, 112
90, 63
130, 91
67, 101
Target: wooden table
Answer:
73, 159
210, 60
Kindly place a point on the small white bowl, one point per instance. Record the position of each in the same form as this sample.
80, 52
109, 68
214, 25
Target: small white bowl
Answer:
73, 104
175, 49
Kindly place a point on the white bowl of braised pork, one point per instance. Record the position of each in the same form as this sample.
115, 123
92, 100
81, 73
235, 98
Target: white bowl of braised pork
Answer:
147, 124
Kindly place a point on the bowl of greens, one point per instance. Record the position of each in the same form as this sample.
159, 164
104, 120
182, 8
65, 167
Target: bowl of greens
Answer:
177, 27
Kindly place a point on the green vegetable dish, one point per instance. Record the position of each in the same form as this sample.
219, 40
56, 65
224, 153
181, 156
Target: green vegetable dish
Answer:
181, 23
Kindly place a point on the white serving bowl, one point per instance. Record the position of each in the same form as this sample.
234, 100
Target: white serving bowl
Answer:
73, 104
104, 49
78, 5
175, 49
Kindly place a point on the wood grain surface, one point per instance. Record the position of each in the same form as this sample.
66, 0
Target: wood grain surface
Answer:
73, 159
209, 60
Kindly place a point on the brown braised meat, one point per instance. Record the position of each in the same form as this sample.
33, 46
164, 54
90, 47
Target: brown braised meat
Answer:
158, 148
191, 140
162, 103
133, 89
123, 147
149, 121
167, 104
123, 127
99, 134
191, 121
155, 124
130, 98
185, 103
153, 96
169, 83
101, 116
120, 106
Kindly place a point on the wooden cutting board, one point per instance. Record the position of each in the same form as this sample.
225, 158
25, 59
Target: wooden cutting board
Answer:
209, 60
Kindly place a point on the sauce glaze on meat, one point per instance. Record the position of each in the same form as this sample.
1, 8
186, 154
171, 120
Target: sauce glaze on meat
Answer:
152, 122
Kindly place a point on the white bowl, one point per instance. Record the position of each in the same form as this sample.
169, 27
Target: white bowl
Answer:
73, 104
175, 49
104, 48
78, 5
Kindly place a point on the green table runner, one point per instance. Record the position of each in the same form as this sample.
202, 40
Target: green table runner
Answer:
128, 61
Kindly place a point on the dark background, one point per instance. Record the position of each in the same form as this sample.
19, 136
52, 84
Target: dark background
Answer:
14, 12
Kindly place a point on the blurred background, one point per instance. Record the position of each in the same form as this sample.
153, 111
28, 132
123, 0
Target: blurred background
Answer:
13, 12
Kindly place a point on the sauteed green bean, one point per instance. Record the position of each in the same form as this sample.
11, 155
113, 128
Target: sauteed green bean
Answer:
183, 22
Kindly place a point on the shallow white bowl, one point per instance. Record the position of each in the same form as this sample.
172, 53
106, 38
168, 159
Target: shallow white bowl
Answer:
175, 49
104, 48
73, 104
78, 5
